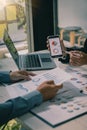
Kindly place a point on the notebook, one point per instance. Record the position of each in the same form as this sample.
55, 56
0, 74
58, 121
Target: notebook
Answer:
30, 61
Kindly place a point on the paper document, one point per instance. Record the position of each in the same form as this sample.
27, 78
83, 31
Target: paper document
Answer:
66, 105
58, 75
4, 95
22, 88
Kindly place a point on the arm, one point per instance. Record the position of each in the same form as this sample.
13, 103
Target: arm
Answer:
5, 76
10, 77
19, 106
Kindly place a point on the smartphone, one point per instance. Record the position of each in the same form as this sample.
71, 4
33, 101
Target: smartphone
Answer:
55, 46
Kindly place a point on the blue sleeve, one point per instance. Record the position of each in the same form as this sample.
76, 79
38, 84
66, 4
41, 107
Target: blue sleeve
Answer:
5, 77
19, 106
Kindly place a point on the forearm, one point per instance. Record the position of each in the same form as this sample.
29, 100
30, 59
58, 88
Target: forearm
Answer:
19, 106
5, 76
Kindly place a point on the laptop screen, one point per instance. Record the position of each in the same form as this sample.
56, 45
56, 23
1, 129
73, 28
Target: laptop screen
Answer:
10, 45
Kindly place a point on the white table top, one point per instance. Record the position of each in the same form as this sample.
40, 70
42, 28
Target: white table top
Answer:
31, 121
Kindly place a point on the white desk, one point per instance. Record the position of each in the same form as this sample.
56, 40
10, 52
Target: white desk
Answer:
30, 121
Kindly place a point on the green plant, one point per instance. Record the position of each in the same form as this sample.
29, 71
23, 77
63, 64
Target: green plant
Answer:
12, 125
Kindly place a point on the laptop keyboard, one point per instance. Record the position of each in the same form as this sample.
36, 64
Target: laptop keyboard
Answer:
32, 61
46, 59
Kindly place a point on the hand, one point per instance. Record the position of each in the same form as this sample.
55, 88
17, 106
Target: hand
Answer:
21, 75
78, 58
48, 45
48, 89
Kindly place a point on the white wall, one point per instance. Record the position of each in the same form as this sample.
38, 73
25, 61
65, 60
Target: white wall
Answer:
72, 13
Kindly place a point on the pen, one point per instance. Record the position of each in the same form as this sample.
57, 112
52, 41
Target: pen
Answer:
84, 90
67, 52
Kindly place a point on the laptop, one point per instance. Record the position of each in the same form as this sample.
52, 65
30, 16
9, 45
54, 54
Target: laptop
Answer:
30, 61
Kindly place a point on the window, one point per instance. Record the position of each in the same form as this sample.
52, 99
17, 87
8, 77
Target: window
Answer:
12, 17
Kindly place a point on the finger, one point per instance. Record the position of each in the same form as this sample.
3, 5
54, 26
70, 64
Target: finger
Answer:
77, 54
50, 82
32, 74
59, 86
74, 63
56, 87
21, 76
47, 41
48, 46
23, 72
26, 73
81, 54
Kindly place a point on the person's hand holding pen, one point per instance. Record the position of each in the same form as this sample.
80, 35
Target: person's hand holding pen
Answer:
78, 58
48, 89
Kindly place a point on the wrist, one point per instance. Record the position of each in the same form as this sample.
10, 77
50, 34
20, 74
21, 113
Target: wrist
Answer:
11, 76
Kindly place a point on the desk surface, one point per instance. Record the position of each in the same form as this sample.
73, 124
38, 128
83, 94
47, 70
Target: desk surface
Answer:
30, 121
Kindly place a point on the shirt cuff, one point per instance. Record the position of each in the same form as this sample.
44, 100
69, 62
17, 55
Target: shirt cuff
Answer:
5, 76
34, 98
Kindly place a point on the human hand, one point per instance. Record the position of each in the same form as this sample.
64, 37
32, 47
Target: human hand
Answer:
48, 45
49, 89
21, 75
78, 58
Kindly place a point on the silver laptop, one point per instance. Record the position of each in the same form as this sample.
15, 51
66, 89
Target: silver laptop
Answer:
30, 61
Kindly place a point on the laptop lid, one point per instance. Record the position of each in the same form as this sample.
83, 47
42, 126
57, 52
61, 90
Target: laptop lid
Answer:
9, 43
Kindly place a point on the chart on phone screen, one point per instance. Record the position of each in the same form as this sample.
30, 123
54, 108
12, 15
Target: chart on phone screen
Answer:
55, 46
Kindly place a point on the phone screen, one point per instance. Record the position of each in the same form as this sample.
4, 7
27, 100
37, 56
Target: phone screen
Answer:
55, 46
